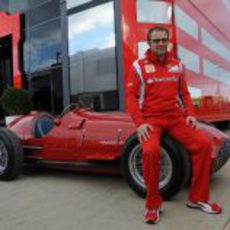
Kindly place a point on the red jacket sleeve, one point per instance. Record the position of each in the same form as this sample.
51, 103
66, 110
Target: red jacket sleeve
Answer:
185, 96
133, 93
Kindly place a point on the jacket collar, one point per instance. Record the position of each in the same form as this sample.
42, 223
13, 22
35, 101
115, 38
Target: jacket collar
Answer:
152, 57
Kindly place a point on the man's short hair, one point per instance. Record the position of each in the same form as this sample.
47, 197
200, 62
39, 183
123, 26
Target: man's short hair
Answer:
156, 28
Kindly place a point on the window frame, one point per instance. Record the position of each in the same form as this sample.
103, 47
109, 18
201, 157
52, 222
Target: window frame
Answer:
86, 6
82, 8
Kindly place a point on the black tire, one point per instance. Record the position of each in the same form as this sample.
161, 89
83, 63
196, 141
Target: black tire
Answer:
172, 152
11, 155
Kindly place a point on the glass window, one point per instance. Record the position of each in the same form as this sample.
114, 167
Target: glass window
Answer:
26, 54
45, 45
17, 6
216, 72
186, 22
34, 3
4, 5
216, 46
23, 5
46, 89
142, 47
92, 50
227, 4
74, 3
154, 11
44, 12
195, 92
190, 59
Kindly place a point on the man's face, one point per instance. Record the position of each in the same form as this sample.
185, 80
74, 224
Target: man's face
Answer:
158, 42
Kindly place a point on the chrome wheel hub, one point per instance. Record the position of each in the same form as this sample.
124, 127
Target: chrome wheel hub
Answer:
136, 169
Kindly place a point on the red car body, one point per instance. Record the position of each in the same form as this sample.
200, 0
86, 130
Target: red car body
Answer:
104, 142
82, 137
79, 137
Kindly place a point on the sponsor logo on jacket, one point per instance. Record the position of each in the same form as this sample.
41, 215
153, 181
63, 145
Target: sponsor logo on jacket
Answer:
161, 79
150, 68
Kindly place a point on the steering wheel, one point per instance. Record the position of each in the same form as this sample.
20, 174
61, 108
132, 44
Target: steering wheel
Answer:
69, 108
73, 106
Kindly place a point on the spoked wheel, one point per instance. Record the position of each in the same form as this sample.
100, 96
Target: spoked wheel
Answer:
136, 169
11, 155
171, 167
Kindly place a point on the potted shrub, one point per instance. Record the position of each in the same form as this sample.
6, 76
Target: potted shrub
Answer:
15, 102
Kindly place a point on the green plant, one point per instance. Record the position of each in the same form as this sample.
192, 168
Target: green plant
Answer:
16, 101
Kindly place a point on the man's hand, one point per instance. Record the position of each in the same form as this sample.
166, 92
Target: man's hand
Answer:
143, 132
190, 120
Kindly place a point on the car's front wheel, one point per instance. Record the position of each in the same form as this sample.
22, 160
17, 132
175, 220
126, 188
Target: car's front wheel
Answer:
11, 155
173, 167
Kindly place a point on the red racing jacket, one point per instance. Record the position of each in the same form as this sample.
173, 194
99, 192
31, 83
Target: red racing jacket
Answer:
155, 89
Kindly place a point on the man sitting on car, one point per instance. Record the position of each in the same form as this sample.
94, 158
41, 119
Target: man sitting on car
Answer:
158, 100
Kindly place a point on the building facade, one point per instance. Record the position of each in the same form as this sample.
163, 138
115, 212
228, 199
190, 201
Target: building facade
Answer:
66, 51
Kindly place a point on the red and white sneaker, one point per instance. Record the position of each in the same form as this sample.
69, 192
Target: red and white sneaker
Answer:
207, 206
152, 216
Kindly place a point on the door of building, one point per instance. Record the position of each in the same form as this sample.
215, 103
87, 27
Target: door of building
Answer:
6, 70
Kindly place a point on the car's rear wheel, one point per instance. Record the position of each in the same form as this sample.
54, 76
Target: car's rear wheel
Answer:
11, 155
172, 165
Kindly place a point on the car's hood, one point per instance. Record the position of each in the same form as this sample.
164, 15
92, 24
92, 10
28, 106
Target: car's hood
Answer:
111, 116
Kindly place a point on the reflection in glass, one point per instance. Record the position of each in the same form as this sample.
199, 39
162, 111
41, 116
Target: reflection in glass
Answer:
74, 3
92, 50
154, 11
215, 72
46, 89
44, 12
45, 45
190, 59
186, 22
215, 45
26, 54
4, 6
34, 3
18, 6
227, 4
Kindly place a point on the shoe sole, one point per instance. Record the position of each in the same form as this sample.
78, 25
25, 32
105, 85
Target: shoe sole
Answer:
151, 222
202, 209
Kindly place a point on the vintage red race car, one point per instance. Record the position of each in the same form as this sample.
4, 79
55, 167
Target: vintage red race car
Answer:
80, 139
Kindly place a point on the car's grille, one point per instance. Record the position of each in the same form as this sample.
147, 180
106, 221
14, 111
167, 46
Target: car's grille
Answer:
223, 156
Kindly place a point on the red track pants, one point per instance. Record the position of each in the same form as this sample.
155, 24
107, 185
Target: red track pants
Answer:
195, 142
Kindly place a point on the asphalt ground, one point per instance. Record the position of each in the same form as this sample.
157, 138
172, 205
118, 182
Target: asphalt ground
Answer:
60, 200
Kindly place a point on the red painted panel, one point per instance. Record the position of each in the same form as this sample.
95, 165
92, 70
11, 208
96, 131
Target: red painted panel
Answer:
216, 12
134, 32
10, 25
215, 98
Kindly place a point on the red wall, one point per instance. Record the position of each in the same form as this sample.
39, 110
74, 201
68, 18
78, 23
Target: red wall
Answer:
10, 25
210, 15
213, 17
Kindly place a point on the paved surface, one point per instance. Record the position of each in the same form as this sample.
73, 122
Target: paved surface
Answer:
57, 200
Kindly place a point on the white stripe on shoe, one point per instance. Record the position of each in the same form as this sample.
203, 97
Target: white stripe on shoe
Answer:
204, 206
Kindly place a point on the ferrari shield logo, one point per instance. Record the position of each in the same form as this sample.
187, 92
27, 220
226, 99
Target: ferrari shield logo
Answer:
149, 68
